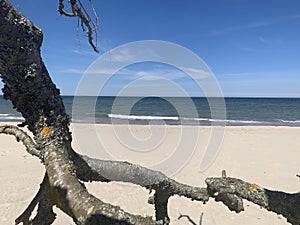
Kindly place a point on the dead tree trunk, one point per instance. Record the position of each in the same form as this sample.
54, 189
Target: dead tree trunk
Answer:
28, 85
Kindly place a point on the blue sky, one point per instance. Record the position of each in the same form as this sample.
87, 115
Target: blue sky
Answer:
252, 46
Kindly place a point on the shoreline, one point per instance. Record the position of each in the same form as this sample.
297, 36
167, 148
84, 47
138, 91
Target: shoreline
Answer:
145, 123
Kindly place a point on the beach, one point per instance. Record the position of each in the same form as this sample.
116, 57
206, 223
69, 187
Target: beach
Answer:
265, 155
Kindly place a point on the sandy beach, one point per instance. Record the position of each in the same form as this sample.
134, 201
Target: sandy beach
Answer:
267, 156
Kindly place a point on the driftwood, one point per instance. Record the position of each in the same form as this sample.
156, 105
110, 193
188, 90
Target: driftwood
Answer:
28, 85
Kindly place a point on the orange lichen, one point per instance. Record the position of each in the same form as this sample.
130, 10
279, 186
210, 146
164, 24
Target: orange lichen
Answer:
68, 169
46, 131
254, 187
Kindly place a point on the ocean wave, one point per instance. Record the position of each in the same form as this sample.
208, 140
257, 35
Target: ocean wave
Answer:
176, 120
135, 117
247, 121
225, 121
203, 120
289, 121
4, 115
9, 117
89, 115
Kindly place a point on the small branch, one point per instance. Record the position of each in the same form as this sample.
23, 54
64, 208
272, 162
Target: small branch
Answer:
161, 207
201, 219
231, 191
189, 218
95, 14
21, 136
86, 21
61, 7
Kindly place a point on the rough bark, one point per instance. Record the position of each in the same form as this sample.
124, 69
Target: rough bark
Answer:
28, 85
27, 82
231, 191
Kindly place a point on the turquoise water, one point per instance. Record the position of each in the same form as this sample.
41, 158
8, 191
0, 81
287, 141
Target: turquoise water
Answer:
186, 111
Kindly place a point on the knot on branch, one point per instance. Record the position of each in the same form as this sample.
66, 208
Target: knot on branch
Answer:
219, 189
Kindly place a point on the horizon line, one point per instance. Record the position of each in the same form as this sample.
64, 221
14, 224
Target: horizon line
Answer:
135, 96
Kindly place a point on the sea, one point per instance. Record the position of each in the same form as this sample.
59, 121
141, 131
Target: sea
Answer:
195, 111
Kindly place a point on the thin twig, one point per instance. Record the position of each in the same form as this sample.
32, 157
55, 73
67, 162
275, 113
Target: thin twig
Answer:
87, 24
201, 218
188, 217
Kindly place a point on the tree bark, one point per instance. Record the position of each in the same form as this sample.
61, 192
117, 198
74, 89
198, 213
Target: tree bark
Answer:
28, 85
231, 191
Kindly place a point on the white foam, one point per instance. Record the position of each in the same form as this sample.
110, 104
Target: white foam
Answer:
135, 117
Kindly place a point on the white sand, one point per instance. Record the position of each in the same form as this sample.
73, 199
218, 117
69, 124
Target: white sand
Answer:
268, 156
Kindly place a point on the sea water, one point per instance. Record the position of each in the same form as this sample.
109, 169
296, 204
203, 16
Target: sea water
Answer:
174, 111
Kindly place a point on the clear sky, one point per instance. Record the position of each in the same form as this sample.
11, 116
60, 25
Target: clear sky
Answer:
252, 46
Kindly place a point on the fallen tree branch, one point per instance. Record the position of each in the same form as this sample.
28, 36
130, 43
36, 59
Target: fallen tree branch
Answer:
89, 169
231, 191
101, 170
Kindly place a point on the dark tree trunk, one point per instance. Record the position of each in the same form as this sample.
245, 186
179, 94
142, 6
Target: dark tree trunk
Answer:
27, 82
